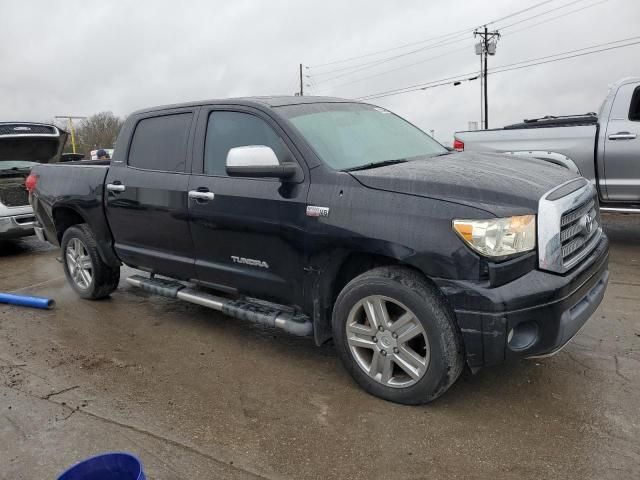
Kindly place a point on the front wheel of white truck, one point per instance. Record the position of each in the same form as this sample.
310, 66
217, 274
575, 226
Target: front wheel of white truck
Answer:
396, 336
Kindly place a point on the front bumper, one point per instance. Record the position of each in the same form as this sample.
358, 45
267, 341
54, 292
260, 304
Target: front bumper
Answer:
15, 226
534, 315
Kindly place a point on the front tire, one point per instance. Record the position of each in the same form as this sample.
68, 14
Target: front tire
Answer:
396, 336
85, 270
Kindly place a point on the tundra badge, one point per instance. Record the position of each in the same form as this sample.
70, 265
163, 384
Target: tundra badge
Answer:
250, 261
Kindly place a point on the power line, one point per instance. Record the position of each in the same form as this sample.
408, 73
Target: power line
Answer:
465, 48
399, 47
456, 33
452, 40
399, 90
371, 97
372, 63
565, 58
504, 27
569, 51
577, 10
386, 72
419, 86
505, 68
518, 12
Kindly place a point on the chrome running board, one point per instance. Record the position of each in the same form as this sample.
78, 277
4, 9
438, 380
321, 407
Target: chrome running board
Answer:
254, 311
619, 210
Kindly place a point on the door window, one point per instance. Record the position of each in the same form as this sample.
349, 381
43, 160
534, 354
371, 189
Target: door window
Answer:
634, 111
160, 143
227, 130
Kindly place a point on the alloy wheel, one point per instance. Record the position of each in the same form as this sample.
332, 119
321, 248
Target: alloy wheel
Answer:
387, 341
79, 263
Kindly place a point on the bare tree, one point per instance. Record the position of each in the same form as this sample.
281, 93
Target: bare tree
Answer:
97, 131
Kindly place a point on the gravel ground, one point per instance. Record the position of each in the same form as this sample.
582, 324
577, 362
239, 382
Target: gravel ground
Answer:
199, 395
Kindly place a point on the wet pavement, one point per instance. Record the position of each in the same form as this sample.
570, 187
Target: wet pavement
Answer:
199, 395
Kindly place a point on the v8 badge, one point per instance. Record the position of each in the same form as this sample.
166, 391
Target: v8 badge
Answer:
313, 211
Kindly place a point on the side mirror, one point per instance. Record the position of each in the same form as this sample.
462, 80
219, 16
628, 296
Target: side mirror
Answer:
257, 161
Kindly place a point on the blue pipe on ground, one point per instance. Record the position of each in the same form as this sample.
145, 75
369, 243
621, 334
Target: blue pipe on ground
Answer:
27, 301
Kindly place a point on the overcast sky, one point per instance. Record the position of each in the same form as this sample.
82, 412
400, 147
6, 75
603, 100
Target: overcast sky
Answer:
81, 57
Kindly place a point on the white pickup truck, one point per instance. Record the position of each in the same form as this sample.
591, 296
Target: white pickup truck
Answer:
603, 147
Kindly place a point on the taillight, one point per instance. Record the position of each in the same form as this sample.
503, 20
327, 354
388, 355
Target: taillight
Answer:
31, 182
458, 145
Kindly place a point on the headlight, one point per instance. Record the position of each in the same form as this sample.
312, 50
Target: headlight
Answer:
499, 237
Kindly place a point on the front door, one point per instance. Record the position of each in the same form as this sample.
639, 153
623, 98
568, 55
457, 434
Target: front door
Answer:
622, 146
248, 234
146, 193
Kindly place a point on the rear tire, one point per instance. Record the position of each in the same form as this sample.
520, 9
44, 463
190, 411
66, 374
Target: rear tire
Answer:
85, 270
396, 336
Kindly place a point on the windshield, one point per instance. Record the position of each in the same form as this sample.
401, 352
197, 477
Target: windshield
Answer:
16, 164
351, 135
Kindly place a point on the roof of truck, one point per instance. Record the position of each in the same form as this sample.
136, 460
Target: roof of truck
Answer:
268, 101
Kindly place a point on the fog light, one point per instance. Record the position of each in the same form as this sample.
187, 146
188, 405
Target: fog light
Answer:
523, 335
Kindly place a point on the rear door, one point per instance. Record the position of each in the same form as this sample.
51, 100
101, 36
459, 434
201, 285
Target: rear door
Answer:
146, 190
248, 236
622, 146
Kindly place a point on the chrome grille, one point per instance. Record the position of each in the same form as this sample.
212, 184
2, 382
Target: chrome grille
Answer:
26, 129
577, 228
568, 225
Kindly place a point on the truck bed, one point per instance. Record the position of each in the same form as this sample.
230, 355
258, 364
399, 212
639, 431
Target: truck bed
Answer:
555, 121
573, 140
71, 189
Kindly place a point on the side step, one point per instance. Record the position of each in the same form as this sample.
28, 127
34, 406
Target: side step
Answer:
265, 313
620, 209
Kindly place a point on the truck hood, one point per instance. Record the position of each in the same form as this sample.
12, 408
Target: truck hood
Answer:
500, 184
32, 148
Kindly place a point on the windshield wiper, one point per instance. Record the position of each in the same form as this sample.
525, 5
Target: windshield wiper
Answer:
384, 163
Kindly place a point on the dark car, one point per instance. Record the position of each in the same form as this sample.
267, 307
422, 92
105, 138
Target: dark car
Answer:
341, 220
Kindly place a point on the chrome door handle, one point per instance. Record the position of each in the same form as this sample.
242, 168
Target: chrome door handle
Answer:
197, 195
622, 136
116, 187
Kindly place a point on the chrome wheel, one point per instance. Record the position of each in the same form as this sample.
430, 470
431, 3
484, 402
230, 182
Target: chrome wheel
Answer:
387, 341
79, 263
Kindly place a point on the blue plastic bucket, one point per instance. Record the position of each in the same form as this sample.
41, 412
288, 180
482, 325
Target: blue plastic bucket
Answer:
108, 466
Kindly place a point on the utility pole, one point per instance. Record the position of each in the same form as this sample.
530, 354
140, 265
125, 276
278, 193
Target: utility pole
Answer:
486, 47
70, 118
481, 86
301, 82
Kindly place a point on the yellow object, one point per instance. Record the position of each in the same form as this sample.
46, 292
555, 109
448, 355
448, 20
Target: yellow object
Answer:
73, 137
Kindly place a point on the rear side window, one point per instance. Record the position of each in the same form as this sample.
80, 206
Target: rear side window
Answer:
227, 130
634, 111
160, 143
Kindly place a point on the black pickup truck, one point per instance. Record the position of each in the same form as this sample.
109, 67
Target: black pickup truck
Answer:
336, 219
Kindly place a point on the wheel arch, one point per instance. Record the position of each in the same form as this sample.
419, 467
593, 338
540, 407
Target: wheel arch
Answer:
342, 267
551, 157
65, 217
